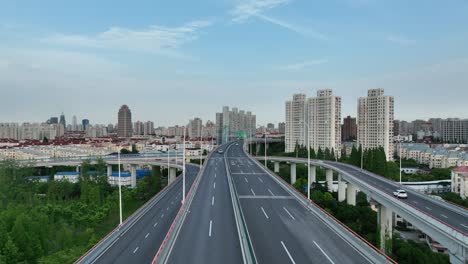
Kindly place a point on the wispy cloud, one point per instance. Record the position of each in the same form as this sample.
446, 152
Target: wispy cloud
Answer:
302, 65
252, 8
248, 9
153, 39
400, 40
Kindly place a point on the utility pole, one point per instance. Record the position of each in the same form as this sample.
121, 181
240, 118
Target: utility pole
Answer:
120, 190
183, 171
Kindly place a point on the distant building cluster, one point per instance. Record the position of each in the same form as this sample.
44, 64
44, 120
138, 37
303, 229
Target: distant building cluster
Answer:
316, 122
233, 123
450, 130
437, 156
35, 131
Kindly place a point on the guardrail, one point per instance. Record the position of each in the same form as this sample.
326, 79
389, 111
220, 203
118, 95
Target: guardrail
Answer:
248, 253
165, 249
359, 243
105, 243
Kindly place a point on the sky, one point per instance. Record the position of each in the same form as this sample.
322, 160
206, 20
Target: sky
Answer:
174, 60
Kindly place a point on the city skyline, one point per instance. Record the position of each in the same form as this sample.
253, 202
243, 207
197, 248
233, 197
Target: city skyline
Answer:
48, 52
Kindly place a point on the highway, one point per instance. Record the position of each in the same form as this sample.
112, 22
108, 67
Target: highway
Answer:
282, 230
140, 243
209, 232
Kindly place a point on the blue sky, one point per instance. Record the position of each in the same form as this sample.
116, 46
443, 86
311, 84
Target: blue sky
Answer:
173, 60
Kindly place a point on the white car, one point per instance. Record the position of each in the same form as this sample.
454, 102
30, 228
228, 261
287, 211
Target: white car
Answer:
400, 194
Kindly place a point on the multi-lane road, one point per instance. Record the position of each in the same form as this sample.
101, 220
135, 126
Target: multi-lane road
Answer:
141, 241
281, 229
209, 233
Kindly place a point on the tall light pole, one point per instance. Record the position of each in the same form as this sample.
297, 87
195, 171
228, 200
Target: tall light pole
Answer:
168, 163
183, 171
400, 158
308, 157
264, 135
201, 149
120, 190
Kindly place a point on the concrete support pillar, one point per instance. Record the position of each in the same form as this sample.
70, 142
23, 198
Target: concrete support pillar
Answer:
351, 191
313, 174
257, 148
329, 179
277, 167
78, 169
109, 170
172, 174
341, 189
385, 222
133, 169
293, 172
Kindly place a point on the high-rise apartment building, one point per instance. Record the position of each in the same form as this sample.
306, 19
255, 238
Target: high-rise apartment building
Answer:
295, 130
234, 123
281, 128
148, 128
195, 127
349, 129
375, 121
454, 130
124, 127
324, 121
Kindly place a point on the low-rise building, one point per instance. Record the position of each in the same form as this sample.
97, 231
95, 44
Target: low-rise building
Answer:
460, 181
69, 176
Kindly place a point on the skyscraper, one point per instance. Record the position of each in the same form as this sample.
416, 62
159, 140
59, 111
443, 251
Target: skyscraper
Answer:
324, 118
124, 127
295, 122
454, 130
375, 121
85, 124
74, 124
282, 127
349, 129
62, 120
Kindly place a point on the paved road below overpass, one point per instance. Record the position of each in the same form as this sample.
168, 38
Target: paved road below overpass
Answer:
282, 230
141, 242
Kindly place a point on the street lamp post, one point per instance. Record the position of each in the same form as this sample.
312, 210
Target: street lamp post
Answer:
400, 158
120, 190
183, 171
308, 159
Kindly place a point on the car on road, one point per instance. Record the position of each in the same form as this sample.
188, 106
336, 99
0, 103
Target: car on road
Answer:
400, 194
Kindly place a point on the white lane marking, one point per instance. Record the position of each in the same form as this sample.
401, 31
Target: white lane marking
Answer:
209, 232
215, 175
167, 209
264, 213
246, 180
271, 192
172, 202
428, 208
464, 225
287, 252
289, 213
162, 215
155, 224
260, 180
444, 216
252, 191
146, 235
212, 200
323, 252
136, 249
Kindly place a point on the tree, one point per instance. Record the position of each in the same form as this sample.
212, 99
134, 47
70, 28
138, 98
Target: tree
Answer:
320, 154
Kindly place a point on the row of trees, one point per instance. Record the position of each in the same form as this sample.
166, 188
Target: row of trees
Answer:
57, 221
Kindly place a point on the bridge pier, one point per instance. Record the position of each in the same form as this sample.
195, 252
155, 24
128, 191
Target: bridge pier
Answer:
277, 166
109, 171
351, 194
329, 179
313, 174
133, 169
172, 174
341, 189
385, 221
293, 172
78, 168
